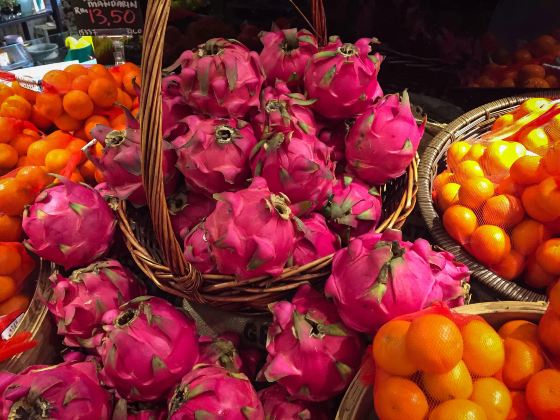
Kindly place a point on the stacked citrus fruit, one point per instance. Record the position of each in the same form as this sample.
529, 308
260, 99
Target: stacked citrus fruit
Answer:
443, 367
15, 266
501, 199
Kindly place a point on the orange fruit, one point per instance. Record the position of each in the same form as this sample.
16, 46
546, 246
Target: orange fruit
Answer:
389, 349
434, 343
549, 332
543, 394
119, 122
10, 260
8, 156
549, 194
531, 199
528, 170
448, 196
22, 142
475, 152
103, 92
8, 130
498, 158
57, 159
551, 159
507, 186
39, 120
475, 191
528, 71
483, 350
16, 107
493, 396
456, 383
468, 169
548, 256
77, 104
511, 266
536, 140
554, 298
67, 123
503, 121
519, 408
34, 177
87, 169
76, 145
523, 360
81, 83
459, 409
76, 69
92, 121
528, 235
460, 222
544, 44
535, 276
124, 99
503, 210
136, 112
533, 105
15, 303
129, 80
535, 82
22, 161
10, 228
58, 80
489, 244
99, 71
49, 105
59, 139
552, 129
519, 329
5, 92
37, 151
399, 398
80, 134
13, 197
8, 287
117, 75
99, 178
27, 94
129, 67
439, 181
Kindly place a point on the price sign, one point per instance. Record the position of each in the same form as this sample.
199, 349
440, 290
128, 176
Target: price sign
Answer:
108, 17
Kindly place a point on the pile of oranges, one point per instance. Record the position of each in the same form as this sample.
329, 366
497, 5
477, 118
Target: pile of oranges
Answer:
443, 366
501, 199
15, 266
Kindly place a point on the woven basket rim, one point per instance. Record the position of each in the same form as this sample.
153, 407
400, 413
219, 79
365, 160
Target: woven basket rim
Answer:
427, 171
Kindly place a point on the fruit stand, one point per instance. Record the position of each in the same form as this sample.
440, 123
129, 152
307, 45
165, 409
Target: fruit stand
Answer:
236, 235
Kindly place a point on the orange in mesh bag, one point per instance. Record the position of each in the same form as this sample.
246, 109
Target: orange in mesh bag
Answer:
441, 365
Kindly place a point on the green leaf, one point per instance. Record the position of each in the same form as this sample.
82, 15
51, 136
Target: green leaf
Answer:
77, 208
323, 54
231, 75
408, 146
203, 415
158, 364
328, 76
344, 370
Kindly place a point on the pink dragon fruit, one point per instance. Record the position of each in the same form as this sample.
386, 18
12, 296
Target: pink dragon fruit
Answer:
251, 232
69, 224
285, 55
383, 141
187, 210
353, 209
222, 78
252, 358
79, 302
378, 277
306, 337
120, 163
220, 351
174, 108
298, 166
343, 78
334, 136
147, 348
214, 392
65, 391
279, 405
315, 241
139, 411
284, 111
197, 250
214, 155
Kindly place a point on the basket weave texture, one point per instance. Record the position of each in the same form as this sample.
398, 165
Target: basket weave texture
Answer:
152, 242
471, 124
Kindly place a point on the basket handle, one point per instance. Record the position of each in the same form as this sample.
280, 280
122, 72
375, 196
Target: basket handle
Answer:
155, 24
319, 20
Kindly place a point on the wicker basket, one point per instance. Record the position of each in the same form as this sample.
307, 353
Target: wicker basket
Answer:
152, 243
472, 123
357, 403
40, 324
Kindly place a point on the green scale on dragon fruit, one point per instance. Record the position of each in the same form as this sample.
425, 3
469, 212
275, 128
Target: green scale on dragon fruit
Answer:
383, 141
212, 392
78, 302
279, 405
285, 55
353, 208
284, 111
314, 240
251, 232
214, 155
379, 277
186, 210
297, 165
148, 347
306, 337
120, 162
221, 351
69, 224
64, 391
343, 78
221, 78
